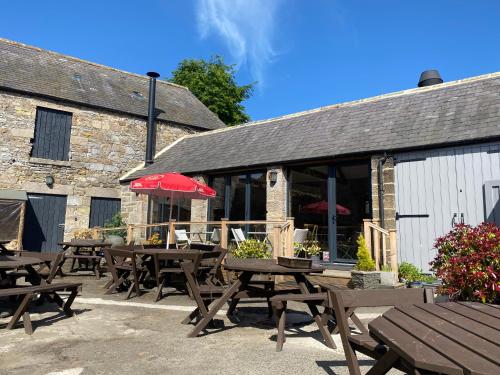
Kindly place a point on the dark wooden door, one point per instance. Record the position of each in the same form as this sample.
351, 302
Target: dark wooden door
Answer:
102, 210
44, 222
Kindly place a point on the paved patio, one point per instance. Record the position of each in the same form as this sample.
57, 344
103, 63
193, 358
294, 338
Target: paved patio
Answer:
113, 336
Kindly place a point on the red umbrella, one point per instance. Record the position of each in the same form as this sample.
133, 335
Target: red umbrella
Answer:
173, 185
321, 207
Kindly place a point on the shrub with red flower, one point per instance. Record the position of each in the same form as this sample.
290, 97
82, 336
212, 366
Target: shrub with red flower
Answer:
468, 263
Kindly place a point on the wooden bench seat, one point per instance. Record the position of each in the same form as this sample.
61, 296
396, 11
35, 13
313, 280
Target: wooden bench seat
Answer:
47, 290
279, 304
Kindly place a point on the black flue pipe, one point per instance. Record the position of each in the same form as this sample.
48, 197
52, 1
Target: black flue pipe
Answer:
151, 117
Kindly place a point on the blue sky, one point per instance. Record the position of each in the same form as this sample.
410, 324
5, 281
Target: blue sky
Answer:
304, 54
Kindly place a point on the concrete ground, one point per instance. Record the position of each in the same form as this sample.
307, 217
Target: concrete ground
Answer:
111, 336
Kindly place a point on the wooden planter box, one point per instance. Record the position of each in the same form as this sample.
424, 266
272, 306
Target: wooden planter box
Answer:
365, 279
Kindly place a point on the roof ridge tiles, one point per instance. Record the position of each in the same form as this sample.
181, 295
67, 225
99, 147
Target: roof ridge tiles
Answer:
76, 59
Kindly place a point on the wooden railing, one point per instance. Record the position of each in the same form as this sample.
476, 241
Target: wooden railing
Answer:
279, 233
382, 244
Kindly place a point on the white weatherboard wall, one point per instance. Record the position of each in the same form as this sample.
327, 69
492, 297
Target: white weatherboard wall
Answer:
440, 187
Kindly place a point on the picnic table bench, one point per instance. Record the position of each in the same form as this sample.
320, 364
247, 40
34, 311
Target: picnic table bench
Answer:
47, 291
445, 338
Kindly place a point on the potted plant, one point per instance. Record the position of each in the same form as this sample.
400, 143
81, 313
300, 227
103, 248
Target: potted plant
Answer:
252, 249
410, 275
116, 236
312, 249
364, 276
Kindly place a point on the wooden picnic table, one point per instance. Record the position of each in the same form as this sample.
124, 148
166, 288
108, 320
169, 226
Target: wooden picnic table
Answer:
9, 262
445, 338
172, 259
92, 246
238, 289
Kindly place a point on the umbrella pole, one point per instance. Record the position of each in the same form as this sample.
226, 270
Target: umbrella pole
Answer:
170, 219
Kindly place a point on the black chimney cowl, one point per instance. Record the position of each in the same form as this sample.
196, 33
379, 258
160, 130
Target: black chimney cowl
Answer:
429, 78
151, 118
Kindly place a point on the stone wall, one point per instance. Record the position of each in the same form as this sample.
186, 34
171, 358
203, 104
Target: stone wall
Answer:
389, 191
276, 194
103, 146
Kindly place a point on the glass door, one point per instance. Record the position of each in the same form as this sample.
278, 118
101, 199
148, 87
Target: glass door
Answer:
332, 201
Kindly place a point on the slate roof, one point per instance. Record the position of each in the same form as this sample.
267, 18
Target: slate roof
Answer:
449, 113
40, 72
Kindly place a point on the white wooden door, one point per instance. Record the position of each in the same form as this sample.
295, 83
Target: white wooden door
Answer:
436, 189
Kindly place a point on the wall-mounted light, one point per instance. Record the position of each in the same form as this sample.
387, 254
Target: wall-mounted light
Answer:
273, 177
49, 180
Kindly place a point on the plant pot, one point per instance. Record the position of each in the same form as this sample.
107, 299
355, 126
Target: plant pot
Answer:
416, 284
388, 278
365, 279
315, 259
115, 240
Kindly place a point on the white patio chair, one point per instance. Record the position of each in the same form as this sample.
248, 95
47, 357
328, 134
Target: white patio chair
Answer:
181, 239
215, 237
238, 235
300, 235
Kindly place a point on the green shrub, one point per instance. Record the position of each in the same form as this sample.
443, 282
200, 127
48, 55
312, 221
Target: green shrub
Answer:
409, 272
365, 261
115, 222
252, 248
468, 263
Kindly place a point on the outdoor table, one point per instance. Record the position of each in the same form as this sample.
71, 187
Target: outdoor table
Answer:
9, 262
76, 254
249, 267
446, 338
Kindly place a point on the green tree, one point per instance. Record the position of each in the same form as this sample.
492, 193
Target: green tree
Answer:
214, 84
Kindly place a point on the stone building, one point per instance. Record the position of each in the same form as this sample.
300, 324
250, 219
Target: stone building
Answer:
434, 151
70, 128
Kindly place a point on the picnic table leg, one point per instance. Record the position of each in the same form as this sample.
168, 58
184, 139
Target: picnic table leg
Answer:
67, 305
245, 277
304, 288
21, 309
384, 363
231, 291
34, 277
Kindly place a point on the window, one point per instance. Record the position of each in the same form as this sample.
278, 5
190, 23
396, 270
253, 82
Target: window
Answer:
52, 134
103, 209
239, 197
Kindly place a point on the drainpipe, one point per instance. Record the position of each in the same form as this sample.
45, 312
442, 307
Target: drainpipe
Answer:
380, 176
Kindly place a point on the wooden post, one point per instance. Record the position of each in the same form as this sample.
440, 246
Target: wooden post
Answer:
224, 233
289, 237
277, 245
130, 233
171, 232
20, 231
394, 250
367, 234
376, 249
384, 250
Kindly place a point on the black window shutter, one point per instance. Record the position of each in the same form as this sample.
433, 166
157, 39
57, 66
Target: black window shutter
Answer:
52, 134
